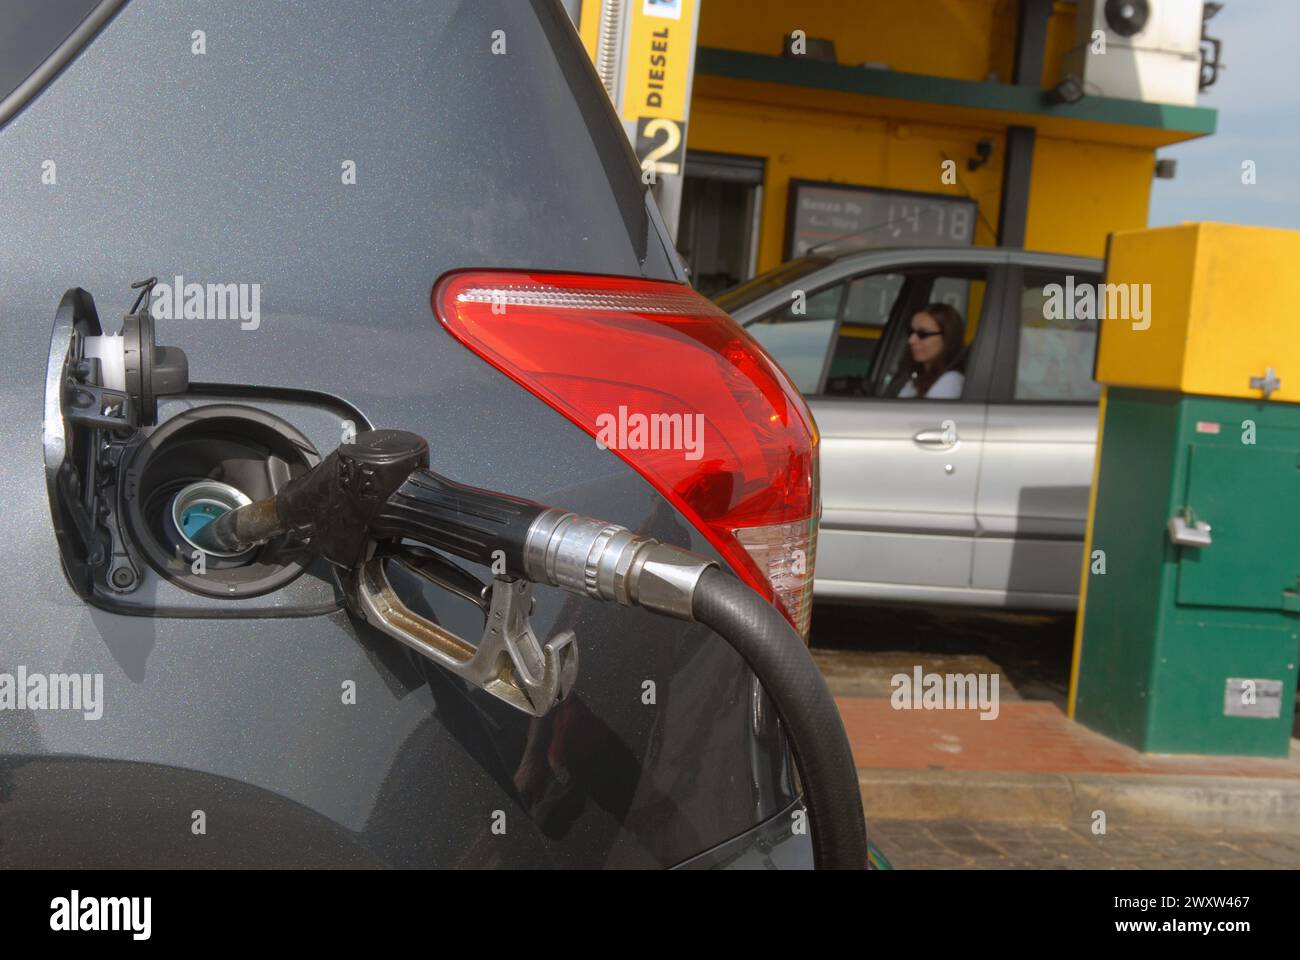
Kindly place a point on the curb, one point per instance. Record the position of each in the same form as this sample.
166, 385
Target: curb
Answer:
1225, 803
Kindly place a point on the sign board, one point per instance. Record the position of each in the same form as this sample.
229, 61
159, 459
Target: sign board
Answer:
657, 80
835, 218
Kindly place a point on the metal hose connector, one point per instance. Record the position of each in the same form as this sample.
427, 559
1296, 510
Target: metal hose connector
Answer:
609, 562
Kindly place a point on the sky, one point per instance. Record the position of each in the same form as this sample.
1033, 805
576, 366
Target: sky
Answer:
1258, 100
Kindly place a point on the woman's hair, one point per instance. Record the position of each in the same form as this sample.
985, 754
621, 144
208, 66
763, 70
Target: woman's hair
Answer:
954, 333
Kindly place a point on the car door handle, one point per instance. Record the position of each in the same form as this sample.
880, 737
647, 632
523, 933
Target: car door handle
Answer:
941, 437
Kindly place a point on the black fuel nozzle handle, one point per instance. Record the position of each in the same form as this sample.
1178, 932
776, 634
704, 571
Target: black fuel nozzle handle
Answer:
336, 501
477, 525
379, 487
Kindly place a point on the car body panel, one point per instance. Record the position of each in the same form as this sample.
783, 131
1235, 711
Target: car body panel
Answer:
771, 845
892, 510
1033, 498
226, 167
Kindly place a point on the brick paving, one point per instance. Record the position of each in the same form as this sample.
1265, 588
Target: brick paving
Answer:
966, 844
1028, 736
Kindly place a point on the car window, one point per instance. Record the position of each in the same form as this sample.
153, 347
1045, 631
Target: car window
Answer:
870, 299
965, 296
1058, 339
30, 31
799, 334
868, 302
963, 289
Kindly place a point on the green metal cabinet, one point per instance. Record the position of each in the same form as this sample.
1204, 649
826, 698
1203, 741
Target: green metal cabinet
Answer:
1193, 649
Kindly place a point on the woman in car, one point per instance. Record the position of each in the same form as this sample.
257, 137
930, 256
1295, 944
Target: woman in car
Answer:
935, 354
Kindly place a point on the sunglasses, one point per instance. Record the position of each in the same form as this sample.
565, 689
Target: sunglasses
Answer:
925, 334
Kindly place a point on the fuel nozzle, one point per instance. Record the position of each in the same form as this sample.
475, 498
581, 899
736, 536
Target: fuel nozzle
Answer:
332, 503
364, 505
379, 488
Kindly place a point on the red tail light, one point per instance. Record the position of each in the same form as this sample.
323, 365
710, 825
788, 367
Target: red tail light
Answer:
657, 373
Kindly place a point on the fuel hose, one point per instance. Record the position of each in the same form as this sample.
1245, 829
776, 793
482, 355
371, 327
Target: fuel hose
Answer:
789, 676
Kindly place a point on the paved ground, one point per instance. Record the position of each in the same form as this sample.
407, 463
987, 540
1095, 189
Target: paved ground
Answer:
956, 844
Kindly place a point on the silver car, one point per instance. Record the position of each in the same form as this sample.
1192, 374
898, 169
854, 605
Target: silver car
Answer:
981, 500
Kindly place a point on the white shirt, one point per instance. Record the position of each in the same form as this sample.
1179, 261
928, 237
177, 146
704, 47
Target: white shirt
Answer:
947, 387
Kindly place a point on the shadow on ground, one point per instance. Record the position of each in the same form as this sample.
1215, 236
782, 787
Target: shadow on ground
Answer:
861, 646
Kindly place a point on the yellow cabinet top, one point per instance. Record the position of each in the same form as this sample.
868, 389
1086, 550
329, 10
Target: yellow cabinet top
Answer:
1202, 308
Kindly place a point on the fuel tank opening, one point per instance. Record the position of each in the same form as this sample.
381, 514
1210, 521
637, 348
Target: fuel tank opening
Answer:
199, 504
198, 465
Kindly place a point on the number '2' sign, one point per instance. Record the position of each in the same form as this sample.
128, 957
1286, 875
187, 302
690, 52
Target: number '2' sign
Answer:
659, 145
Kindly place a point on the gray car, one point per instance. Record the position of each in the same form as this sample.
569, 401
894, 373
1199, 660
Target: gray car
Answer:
980, 500
318, 206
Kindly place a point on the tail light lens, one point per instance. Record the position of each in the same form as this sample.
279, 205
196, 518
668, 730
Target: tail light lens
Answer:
667, 381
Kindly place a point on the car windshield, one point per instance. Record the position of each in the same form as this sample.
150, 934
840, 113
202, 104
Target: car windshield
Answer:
763, 284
